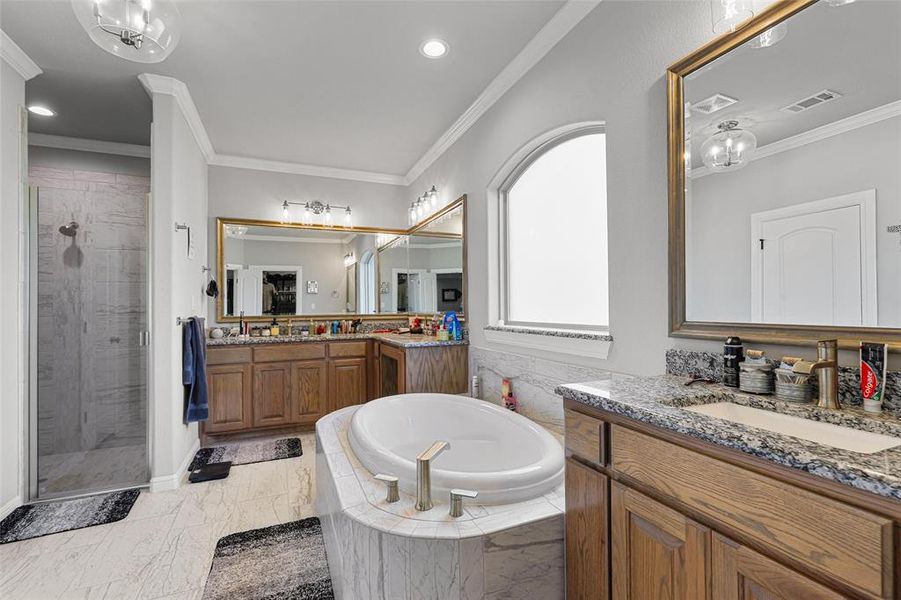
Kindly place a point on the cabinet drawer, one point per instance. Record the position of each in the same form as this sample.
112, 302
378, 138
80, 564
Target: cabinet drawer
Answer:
585, 437
346, 349
279, 352
840, 541
226, 356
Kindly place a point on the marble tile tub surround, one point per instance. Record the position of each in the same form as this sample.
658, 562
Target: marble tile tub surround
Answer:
533, 380
710, 365
660, 401
378, 550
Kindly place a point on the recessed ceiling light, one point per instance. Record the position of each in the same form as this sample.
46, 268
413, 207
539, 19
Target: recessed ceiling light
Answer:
433, 48
41, 110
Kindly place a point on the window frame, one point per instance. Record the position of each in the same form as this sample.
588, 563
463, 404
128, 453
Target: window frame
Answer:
504, 238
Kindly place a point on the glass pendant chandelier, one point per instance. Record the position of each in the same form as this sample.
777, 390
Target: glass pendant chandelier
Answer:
730, 149
727, 15
144, 31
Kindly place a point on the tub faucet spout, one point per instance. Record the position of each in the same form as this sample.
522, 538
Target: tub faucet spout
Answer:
423, 474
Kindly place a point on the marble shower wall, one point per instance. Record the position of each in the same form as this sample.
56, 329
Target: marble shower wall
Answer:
533, 379
91, 308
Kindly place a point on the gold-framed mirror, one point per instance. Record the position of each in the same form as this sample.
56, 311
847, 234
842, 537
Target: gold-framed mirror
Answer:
271, 270
784, 140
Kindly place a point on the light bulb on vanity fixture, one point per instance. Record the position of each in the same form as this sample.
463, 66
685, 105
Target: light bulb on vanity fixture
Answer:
348, 217
286, 212
730, 149
432, 195
144, 31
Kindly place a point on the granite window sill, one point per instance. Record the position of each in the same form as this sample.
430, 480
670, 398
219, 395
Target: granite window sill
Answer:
594, 344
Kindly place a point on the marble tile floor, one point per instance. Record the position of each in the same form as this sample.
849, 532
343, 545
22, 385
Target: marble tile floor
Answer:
101, 468
164, 548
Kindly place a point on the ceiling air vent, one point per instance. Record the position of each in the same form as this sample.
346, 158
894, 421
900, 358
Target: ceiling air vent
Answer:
811, 101
710, 105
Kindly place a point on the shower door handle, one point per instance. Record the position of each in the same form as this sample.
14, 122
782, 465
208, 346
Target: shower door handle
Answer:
144, 338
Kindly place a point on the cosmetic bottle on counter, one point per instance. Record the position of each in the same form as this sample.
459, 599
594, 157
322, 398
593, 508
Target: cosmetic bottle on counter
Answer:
733, 355
274, 329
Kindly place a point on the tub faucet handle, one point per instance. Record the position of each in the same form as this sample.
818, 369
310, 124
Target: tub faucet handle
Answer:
391, 484
456, 501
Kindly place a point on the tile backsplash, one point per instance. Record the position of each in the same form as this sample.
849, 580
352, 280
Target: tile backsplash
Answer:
710, 365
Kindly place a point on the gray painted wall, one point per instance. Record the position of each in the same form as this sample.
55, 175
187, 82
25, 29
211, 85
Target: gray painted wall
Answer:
722, 204
12, 352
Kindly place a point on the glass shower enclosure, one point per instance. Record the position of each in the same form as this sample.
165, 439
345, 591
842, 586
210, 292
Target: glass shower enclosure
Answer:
88, 318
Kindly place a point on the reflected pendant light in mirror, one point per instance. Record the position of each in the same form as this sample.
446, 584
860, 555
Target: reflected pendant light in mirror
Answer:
730, 149
144, 31
727, 15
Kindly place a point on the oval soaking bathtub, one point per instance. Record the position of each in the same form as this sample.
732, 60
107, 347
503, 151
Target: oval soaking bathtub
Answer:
504, 456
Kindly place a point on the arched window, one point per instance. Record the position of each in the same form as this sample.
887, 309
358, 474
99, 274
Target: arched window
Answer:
553, 235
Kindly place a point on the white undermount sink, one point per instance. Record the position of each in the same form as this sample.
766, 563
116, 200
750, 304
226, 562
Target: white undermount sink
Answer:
827, 434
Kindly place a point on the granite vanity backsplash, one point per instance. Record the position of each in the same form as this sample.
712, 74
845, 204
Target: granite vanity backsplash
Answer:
709, 365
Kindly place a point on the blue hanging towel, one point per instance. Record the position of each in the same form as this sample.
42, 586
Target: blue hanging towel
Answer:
197, 407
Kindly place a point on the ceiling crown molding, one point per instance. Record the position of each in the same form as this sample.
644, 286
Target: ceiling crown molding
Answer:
570, 15
85, 145
274, 166
17, 59
160, 84
867, 117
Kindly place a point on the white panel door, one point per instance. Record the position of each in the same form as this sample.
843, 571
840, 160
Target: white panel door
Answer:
813, 267
250, 292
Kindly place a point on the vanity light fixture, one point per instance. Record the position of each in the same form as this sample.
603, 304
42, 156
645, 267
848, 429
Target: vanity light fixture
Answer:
433, 48
770, 37
41, 110
730, 149
425, 205
316, 208
144, 31
349, 259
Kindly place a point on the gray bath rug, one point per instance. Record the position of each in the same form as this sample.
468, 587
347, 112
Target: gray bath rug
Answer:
248, 452
280, 562
36, 520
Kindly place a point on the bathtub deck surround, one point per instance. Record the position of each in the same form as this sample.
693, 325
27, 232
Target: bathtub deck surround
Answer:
387, 550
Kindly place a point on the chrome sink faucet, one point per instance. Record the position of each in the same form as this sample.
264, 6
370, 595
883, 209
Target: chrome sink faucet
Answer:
424, 477
826, 367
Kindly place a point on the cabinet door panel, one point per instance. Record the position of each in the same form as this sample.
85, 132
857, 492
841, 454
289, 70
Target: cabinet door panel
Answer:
230, 391
392, 372
271, 394
739, 573
347, 382
657, 553
587, 535
309, 381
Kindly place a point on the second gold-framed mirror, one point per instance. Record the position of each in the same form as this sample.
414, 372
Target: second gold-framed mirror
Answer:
784, 137
272, 270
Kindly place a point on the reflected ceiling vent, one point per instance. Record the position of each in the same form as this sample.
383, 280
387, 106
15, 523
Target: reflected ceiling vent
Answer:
812, 101
710, 105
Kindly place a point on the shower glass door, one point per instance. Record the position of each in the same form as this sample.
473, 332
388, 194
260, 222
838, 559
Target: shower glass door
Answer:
88, 315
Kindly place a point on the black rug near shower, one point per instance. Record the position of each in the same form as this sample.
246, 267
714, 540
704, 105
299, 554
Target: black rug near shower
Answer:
248, 452
36, 520
282, 561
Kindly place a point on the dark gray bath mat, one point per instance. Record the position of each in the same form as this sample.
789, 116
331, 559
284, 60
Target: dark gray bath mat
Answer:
279, 562
248, 452
36, 520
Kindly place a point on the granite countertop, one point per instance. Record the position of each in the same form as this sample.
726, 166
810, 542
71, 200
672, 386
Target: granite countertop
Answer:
661, 400
401, 340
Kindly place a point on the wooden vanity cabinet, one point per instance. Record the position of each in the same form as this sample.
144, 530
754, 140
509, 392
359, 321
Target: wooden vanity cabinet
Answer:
272, 396
347, 382
650, 514
232, 387
422, 369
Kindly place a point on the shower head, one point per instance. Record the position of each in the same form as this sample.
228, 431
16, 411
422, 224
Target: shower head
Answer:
69, 230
